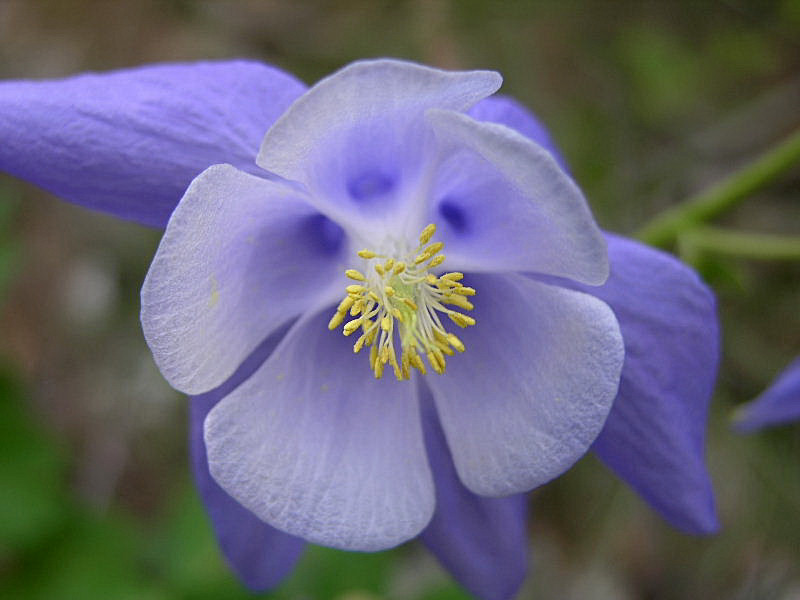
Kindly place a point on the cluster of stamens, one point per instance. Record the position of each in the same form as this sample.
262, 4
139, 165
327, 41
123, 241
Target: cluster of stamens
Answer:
402, 299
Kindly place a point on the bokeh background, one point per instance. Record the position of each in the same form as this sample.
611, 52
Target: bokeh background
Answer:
650, 102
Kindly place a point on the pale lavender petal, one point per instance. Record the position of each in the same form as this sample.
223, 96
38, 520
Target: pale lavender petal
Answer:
358, 139
507, 111
655, 435
483, 542
241, 255
260, 555
778, 404
129, 142
534, 387
504, 204
318, 448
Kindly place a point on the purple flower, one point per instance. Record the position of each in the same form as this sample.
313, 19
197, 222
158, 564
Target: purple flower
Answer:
368, 173
778, 404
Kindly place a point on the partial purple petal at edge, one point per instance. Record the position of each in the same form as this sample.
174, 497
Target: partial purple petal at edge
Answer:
128, 142
655, 436
778, 404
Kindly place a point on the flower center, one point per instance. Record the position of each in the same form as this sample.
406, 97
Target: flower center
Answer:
398, 299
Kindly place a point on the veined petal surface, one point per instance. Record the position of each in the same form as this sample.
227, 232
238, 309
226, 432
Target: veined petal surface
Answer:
240, 256
359, 141
655, 435
780, 403
506, 205
129, 142
260, 555
482, 541
534, 387
316, 447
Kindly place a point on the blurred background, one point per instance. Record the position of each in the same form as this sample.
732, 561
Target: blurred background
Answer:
650, 102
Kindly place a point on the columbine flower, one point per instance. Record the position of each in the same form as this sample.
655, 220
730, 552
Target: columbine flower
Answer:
431, 222
778, 404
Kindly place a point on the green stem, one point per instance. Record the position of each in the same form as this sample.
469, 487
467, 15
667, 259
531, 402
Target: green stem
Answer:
663, 229
759, 246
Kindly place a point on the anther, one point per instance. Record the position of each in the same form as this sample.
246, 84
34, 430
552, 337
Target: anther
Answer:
427, 234
437, 260
354, 274
345, 305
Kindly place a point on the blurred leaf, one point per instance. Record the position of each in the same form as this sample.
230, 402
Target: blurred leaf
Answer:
664, 72
327, 573
94, 557
187, 555
31, 473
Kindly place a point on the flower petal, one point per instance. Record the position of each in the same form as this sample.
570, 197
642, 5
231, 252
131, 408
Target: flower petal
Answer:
778, 404
129, 142
358, 139
534, 387
318, 448
655, 435
240, 256
483, 542
506, 205
507, 111
260, 555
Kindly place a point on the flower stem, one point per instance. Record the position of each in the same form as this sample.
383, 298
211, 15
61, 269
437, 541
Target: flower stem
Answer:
666, 226
759, 246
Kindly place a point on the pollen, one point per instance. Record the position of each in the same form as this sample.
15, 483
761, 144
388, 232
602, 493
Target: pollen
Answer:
397, 306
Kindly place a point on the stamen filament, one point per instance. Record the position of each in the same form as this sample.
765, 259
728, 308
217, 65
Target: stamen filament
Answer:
400, 302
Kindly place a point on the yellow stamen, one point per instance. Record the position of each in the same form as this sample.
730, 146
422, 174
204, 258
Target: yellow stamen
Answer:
437, 260
458, 301
359, 343
335, 321
354, 274
351, 326
454, 276
427, 234
461, 320
345, 305
398, 304
455, 342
